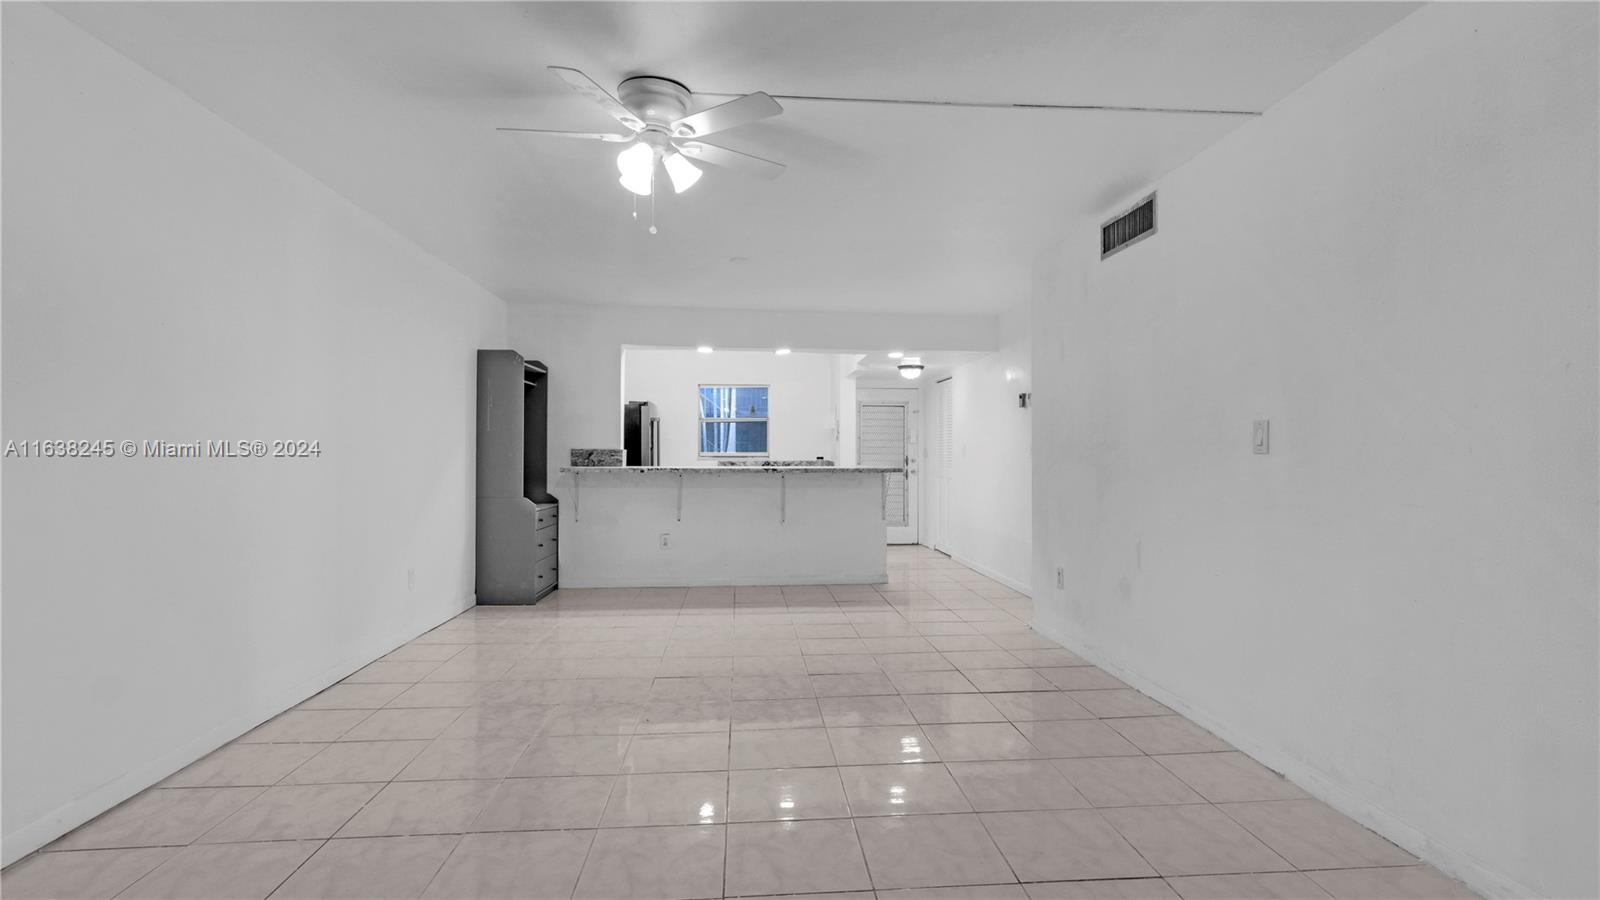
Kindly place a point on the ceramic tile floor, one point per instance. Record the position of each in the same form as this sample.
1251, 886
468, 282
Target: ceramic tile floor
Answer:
907, 741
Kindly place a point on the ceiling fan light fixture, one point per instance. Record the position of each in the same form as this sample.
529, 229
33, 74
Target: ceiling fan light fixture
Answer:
637, 164
655, 112
682, 172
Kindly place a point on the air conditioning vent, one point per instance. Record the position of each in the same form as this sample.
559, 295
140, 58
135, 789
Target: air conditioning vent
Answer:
1128, 228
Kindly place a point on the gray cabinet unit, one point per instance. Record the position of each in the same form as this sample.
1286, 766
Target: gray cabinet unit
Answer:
517, 560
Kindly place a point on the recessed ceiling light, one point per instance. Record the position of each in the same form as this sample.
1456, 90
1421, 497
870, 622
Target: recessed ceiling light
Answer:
783, 351
896, 355
702, 349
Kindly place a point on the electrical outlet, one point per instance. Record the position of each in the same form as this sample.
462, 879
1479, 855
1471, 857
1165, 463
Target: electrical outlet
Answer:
666, 540
1061, 578
411, 579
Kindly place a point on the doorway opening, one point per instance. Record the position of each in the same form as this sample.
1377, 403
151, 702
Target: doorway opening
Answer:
886, 435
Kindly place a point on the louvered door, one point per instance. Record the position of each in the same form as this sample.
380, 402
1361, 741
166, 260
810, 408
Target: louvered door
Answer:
883, 433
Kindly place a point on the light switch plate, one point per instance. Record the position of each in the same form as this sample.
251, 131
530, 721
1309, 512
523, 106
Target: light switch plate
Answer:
1261, 436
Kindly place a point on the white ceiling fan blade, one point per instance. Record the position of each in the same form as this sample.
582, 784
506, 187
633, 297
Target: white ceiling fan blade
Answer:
582, 135
1047, 107
740, 111
585, 85
701, 151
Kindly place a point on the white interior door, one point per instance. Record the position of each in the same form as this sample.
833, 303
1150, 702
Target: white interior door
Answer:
886, 436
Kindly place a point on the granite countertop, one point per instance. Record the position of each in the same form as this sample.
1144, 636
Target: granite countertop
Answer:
738, 470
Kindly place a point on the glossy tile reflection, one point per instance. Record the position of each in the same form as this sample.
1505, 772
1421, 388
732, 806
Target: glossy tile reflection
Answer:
914, 740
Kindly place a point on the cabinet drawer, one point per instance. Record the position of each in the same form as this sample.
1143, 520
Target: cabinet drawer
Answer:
544, 515
545, 543
545, 576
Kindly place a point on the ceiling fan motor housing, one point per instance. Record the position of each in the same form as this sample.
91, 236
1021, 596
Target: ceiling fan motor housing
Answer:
656, 101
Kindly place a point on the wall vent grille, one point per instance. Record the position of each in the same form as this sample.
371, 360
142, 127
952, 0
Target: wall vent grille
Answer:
1129, 227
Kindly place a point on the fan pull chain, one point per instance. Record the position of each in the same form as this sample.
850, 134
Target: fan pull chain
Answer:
653, 199
635, 207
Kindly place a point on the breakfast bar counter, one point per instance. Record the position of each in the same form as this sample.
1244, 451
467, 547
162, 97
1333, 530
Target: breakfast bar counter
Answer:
668, 526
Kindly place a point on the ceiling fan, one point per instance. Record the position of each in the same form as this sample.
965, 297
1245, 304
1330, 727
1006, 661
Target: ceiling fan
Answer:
662, 133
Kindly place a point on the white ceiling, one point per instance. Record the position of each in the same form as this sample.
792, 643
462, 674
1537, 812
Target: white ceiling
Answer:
936, 365
888, 209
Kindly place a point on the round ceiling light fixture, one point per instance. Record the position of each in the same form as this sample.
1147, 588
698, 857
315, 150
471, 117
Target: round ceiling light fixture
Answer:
702, 349
896, 354
910, 368
782, 351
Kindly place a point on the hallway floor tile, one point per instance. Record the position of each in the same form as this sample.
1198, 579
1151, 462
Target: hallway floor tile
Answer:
914, 740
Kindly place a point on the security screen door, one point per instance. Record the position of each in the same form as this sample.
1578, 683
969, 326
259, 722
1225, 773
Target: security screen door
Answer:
884, 437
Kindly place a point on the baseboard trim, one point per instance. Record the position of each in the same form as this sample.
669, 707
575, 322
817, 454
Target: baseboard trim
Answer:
1319, 784
981, 569
28, 838
750, 581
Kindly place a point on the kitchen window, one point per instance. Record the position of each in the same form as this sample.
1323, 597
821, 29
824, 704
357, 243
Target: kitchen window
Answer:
733, 420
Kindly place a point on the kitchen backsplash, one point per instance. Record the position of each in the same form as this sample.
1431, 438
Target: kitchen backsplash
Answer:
598, 457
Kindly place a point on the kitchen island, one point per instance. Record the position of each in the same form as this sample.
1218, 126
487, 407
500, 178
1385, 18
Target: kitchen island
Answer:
666, 526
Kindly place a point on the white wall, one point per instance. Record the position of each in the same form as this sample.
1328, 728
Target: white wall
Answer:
800, 401
1397, 606
844, 406
166, 277
989, 518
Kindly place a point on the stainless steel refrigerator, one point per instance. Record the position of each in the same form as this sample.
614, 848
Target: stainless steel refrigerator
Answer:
641, 433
